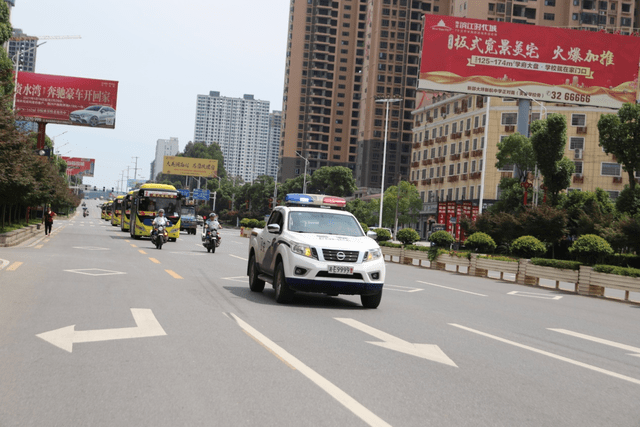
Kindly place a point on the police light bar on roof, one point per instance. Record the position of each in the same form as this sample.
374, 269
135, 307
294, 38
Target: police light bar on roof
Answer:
315, 200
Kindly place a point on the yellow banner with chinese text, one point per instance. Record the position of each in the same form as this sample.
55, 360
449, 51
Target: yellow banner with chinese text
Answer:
189, 166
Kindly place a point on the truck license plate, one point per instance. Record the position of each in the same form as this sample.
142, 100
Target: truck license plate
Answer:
340, 269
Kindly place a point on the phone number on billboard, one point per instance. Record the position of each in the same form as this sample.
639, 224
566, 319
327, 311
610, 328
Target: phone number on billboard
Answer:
569, 96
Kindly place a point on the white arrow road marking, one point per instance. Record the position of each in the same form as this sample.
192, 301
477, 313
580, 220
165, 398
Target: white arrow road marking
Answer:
552, 355
397, 288
347, 401
534, 295
146, 326
426, 351
236, 278
635, 350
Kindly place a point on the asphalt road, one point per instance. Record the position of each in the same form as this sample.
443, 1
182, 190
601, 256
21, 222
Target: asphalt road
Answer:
174, 337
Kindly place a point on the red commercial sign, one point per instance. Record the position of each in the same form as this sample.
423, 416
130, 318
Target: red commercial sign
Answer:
66, 100
549, 64
80, 167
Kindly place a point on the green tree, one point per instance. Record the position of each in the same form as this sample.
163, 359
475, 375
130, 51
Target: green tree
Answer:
406, 197
587, 211
620, 136
545, 223
516, 150
364, 211
548, 139
333, 180
511, 196
6, 66
292, 185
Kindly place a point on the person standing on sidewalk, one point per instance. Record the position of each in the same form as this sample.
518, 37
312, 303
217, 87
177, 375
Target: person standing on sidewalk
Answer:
48, 221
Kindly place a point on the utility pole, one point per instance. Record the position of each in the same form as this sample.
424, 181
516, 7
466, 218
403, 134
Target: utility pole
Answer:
135, 175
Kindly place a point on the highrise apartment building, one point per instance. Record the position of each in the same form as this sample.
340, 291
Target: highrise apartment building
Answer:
273, 146
341, 57
579, 14
451, 161
164, 147
22, 48
240, 126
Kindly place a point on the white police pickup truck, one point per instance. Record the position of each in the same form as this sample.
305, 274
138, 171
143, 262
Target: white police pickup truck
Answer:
307, 246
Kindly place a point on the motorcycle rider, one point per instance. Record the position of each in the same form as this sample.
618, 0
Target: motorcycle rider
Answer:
212, 222
160, 220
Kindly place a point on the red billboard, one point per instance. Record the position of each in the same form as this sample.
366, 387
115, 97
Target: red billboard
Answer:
549, 64
66, 100
80, 167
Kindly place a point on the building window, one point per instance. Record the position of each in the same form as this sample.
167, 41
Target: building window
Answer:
578, 168
576, 142
549, 2
578, 119
509, 118
549, 16
610, 169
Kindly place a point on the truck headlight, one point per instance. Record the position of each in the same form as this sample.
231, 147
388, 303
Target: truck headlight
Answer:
303, 250
372, 254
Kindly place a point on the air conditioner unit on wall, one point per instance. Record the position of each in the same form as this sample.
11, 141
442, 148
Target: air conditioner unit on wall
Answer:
577, 153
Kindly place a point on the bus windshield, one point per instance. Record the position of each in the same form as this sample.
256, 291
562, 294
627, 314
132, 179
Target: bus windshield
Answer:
154, 204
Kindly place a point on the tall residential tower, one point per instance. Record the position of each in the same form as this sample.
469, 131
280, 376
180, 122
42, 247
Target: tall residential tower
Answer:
240, 126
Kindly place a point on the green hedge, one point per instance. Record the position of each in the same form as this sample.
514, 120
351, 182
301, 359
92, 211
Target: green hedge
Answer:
623, 260
417, 248
390, 244
498, 258
556, 263
620, 271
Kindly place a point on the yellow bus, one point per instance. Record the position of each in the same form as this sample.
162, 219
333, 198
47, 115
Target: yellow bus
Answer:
126, 211
107, 210
147, 201
116, 211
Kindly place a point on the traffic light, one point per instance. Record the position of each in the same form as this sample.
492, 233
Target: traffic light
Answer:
94, 188
103, 189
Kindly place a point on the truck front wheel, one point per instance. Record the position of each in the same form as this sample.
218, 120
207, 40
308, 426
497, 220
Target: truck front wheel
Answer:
283, 293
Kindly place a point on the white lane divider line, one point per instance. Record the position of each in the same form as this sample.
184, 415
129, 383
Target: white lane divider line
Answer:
347, 401
552, 355
635, 351
451, 289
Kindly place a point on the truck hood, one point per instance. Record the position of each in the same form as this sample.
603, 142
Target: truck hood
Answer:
336, 242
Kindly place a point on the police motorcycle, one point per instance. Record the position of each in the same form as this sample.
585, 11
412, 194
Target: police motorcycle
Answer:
159, 235
210, 238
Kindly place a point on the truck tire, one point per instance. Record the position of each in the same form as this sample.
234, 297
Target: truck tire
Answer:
284, 295
371, 301
255, 284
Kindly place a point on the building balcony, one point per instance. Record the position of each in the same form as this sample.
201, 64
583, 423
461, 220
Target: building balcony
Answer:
578, 179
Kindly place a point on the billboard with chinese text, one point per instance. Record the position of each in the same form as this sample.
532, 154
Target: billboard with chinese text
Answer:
549, 64
174, 165
66, 100
80, 167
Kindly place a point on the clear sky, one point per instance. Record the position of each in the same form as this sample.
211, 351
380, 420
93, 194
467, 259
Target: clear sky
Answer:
163, 54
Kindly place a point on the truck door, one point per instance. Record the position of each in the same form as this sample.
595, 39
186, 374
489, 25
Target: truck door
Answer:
268, 243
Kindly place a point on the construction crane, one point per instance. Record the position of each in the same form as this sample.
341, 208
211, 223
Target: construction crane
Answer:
57, 37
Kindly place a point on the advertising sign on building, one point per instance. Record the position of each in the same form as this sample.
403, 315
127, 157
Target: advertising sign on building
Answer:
66, 100
80, 167
518, 61
174, 165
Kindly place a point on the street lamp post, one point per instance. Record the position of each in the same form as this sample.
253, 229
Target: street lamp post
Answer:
306, 162
384, 151
535, 179
16, 61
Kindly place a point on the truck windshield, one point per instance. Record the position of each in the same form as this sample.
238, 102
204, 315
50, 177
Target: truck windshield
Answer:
324, 223
188, 211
